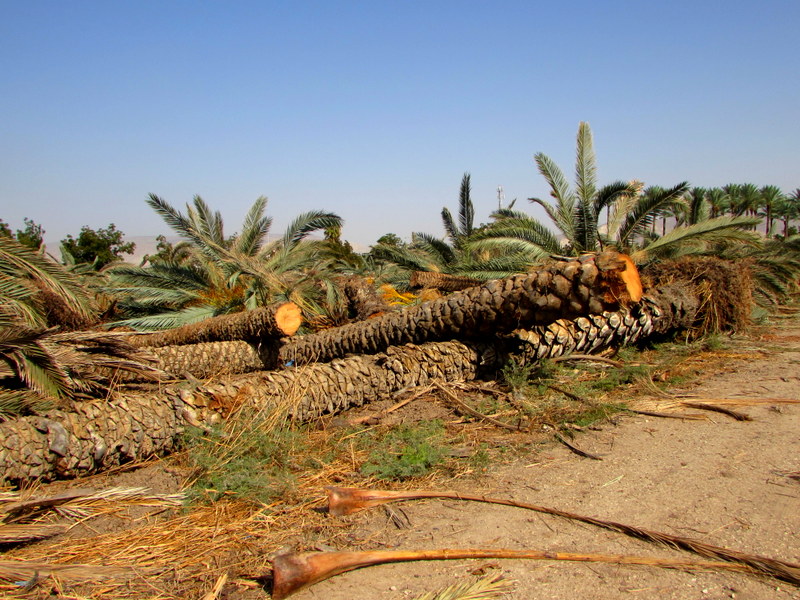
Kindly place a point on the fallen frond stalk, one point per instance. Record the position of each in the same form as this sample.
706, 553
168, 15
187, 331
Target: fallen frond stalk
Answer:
574, 448
14, 570
471, 411
344, 501
720, 409
293, 572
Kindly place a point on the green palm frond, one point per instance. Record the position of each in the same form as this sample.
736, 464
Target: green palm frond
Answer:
254, 230
441, 253
168, 320
22, 348
466, 210
307, 223
694, 238
26, 267
622, 205
563, 213
608, 194
585, 167
450, 225
409, 258
653, 203
172, 217
523, 228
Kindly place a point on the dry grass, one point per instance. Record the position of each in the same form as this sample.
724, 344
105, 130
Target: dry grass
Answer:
185, 552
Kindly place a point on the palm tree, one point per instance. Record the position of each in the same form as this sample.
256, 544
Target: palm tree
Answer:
40, 366
788, 209
771, 197
224, 274
455, 254
632, 212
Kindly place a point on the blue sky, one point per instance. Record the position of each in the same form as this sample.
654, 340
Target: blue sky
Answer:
374, 110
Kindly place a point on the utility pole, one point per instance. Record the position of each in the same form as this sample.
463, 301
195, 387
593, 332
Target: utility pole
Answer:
501, 195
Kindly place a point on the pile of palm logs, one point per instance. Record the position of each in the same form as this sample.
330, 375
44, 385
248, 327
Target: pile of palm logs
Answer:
584, 305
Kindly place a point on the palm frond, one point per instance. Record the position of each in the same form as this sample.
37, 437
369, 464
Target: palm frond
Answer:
585, 166
653, 203
307, 223
523, 228
466, 210
254, 230
486, 588
720, 229
169, 320
449, 225
564, 211
24, 264
440, 252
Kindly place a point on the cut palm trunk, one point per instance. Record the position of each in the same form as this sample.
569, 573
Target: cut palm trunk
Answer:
265, 323
561, 290
214, 359
294, 572
99, 435
441, 281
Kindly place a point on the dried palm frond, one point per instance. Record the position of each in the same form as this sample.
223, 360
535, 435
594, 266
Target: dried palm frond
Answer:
15, 534
486, 588
342, 501
29, 573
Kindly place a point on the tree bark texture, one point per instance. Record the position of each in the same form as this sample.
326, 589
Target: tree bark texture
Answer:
99, 435
561, 290
214, 359
260, 324
441, 281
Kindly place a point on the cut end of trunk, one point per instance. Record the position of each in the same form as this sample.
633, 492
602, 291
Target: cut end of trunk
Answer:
620, 276
288, 318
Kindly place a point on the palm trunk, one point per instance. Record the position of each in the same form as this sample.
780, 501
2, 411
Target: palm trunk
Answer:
95, 436
264, 323
214, 359
441, 281
562, 290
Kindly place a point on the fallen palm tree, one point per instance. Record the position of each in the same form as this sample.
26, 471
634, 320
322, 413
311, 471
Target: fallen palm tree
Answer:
293, 572
203, 360
260, 324
344, 501
591, 284
93, 436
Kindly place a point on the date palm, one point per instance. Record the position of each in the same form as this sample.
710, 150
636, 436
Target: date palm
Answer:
771, 197
39, 365
576, 211
454, 254
223, 274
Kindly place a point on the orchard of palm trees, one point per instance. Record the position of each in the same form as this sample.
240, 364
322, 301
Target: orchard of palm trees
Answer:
103, 367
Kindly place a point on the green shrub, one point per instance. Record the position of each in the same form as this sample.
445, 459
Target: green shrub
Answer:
242, 459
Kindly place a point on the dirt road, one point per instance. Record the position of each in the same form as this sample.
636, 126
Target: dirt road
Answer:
726, 482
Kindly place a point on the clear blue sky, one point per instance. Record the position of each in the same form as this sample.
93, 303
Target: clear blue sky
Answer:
375, 109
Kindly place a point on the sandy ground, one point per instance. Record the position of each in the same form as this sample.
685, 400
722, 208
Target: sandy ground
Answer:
718, 480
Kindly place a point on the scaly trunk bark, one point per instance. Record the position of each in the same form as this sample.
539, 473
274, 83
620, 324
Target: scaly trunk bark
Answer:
261, 324
562, 290
441, 281
99, 435
214, 359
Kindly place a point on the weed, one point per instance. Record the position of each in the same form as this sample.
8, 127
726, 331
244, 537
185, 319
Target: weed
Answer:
242, 459
407, 451
519, 376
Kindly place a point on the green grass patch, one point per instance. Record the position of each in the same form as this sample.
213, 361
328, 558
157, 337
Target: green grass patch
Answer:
243, 459
406, 451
